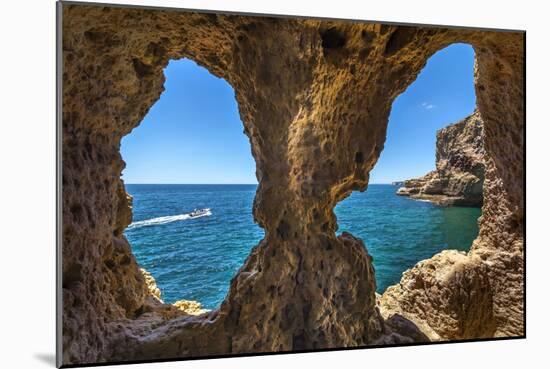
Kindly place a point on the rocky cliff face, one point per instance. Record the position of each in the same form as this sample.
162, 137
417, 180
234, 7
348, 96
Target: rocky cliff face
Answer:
460, 167
314, 97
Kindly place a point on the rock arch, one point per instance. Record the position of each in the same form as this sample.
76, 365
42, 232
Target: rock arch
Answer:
314, 97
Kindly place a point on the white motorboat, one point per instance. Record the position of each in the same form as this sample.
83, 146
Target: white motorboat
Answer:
199, 213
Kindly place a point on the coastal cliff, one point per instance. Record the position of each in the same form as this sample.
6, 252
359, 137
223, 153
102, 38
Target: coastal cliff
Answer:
314, 97
460, 167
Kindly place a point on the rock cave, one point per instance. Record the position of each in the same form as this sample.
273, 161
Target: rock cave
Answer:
314, 97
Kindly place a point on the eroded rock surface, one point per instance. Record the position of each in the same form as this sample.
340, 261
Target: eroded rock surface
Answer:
314, 97
448, 297
460, 167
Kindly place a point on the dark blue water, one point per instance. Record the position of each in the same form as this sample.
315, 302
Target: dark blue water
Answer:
195, 259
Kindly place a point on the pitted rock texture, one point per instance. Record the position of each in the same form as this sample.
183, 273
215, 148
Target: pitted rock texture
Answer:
460, 167
447, 297
314, 97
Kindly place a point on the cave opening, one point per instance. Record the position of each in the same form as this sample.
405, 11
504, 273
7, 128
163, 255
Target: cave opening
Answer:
101, 284
190, 153
415, 206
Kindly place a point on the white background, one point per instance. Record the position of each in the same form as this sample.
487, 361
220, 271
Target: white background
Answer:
27, 185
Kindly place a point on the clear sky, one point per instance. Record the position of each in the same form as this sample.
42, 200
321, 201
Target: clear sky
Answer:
443, 93
193, 133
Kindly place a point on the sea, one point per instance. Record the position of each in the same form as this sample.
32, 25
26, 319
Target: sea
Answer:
194, 258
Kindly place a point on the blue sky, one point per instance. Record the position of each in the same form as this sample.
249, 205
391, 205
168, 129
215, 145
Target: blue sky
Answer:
443, 93
193, 133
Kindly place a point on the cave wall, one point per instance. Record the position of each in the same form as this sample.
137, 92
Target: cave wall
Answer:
314, 97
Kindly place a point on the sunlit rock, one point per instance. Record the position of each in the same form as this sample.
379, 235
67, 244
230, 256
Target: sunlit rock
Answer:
314, 97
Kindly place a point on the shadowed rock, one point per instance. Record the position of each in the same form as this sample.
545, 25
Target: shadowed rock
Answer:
314, 98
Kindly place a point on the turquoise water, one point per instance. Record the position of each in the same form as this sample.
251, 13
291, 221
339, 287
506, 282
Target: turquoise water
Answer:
399, 232
195, 259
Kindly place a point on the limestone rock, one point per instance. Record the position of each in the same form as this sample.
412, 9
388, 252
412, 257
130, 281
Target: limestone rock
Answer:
190, 307
314, 97
460, 162
151, 284
447, 297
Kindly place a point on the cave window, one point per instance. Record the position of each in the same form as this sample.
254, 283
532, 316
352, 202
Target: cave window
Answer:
399, 231
190, 152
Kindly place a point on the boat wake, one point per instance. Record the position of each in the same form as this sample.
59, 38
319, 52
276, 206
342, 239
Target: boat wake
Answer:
166, 219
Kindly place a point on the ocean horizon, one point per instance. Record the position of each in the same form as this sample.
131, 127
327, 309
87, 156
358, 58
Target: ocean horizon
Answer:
194, 258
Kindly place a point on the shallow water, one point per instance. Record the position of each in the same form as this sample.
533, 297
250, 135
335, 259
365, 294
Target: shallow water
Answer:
195, 258
399, 231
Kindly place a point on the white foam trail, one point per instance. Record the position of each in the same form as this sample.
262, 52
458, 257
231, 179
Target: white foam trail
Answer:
166, 219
